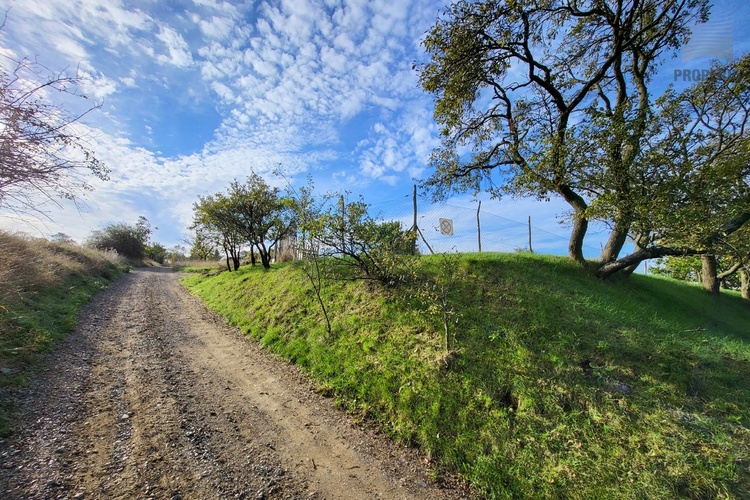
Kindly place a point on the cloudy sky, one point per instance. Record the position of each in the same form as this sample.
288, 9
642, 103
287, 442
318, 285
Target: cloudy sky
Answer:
197, 93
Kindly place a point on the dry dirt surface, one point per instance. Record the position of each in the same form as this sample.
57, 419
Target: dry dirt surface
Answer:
153, 396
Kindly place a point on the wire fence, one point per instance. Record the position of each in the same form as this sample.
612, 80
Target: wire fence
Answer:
471, 227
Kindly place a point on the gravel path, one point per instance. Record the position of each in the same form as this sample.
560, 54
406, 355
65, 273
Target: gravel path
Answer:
154, 397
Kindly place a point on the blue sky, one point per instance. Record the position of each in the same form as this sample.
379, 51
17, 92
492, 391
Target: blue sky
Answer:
196, 93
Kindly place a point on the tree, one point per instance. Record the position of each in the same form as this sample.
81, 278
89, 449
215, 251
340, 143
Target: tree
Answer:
203, 244
156, 252
712, 271
550, 98
214, 219
43, 155
308, 222
260, 215
695, 194
307, 210
144, 230
177, 253
368, 248
62, 238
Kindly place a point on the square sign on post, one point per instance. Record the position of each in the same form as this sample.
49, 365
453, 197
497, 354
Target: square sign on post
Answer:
446, 227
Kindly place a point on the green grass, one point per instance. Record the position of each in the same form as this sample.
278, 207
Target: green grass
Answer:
43, 287
562, 385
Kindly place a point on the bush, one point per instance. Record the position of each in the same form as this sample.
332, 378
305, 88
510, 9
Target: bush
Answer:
127, 240
365, 248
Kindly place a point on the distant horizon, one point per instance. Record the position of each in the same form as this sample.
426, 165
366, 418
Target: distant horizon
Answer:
197, 95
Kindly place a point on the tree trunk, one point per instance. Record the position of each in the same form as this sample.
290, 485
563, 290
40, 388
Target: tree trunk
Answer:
641, 242
745, 283
575, 246
616, 241
708, 274
580, 223
265, 258
607, 269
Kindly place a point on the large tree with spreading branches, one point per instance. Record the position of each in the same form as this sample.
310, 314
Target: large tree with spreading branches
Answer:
555, 98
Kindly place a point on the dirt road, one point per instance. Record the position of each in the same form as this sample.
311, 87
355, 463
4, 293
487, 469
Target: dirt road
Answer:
154, 397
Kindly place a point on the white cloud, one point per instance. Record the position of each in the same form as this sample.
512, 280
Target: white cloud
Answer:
71, 48
177, 47
224, 92
217, 28
97, 86
128, 81
289, 79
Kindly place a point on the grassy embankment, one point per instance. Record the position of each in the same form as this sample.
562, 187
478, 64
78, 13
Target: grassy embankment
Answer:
564, 385
42, 288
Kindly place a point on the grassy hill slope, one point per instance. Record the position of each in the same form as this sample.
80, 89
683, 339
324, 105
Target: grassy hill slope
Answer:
43, 286
562, 384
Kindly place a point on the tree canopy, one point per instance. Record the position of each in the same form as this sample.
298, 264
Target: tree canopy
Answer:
555, 98
251, 213
213, 220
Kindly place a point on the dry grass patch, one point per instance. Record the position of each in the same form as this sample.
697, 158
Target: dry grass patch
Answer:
43, 286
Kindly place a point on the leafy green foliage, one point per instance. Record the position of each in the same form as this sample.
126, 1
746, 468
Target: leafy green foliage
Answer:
156, 252
679, 268
214, 225
698, 173
204, 245
261, 215
249, 213
128, 241
690, 269
562, 386
362, 247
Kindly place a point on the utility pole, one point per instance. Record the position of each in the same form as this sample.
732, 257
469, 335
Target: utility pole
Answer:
479, 227
414, 227
531, 250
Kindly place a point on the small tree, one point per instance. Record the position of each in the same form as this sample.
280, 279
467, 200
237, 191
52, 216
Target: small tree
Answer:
156, 252
62, 238
367, 248
203, 244
214, 220
42, 153
176, 254
261, 215
308, 222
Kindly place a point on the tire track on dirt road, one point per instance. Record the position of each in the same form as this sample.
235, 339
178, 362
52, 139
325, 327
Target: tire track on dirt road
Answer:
154, 397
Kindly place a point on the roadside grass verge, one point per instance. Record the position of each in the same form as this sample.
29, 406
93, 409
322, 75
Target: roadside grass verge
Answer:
561, 385
199, 266
43, 286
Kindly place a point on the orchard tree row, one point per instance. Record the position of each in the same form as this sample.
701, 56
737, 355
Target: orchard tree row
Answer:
263, 222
